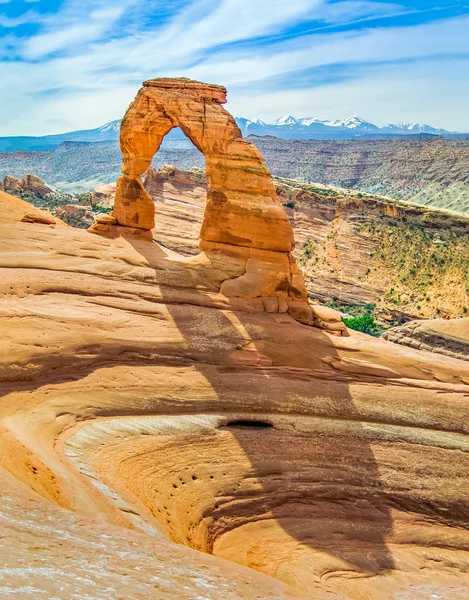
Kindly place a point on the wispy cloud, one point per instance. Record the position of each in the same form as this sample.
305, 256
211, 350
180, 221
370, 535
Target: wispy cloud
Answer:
99, 22
27, 17
83, 63
350, 10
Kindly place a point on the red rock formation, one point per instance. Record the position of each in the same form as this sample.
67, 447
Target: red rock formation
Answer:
30, 183
242, 206
449, 337
244, 224
103, 195
347, 245
76, 214
35, 185
12, 184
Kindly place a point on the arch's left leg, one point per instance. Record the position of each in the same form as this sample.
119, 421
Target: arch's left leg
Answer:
143, 129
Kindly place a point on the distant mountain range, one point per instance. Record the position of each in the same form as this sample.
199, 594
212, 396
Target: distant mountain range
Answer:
287, 127
46, 143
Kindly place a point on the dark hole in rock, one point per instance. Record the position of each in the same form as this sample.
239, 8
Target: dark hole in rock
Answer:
249, 424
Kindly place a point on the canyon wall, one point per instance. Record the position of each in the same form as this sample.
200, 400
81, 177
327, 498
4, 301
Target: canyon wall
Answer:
353, 248
432, 173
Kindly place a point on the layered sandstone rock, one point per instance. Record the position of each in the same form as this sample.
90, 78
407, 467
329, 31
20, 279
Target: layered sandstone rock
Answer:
76, 215
449, 337
244, 224
138, 396
35, 185
12, 184
30, 183
242, 206
13, 210
103, 195
347, 244
72, 556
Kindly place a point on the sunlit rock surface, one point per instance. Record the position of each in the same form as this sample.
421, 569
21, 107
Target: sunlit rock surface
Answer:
169, 418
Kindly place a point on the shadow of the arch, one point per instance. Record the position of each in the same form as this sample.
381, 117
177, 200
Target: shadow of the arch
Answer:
321, 486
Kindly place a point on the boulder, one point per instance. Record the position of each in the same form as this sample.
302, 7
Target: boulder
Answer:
36, 185
12, 184
76, 213
103, 195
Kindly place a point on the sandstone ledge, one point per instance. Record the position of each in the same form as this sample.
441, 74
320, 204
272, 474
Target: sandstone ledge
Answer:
448, 337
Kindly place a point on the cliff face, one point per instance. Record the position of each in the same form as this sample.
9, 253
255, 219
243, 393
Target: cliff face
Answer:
433, 173
354, 249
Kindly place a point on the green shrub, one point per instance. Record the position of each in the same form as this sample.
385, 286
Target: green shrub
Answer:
364, 323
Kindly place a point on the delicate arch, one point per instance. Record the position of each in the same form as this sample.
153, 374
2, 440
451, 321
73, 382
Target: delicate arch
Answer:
242, 206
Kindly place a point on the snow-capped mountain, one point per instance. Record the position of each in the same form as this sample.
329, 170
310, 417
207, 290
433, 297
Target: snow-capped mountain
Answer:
311, 127
112, 126
413, 128
287, 127
286, 120
355, 123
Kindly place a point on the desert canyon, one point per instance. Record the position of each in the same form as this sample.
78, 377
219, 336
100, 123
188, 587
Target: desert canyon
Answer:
190, 425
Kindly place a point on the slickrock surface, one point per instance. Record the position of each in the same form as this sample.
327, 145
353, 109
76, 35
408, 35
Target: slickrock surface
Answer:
47, 552
137, 395
14, 210
449, 337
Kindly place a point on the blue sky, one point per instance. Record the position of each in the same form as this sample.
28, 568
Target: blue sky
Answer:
72, 64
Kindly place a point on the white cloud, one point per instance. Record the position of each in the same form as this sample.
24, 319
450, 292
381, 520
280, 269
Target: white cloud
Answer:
63, 31
367, 46
422, 91
83, 68
354, 9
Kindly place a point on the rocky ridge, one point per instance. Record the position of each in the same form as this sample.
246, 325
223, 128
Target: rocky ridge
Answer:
30, 184
432, 173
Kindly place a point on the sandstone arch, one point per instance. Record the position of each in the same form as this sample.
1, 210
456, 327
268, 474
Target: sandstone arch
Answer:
242, 206
246, 236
